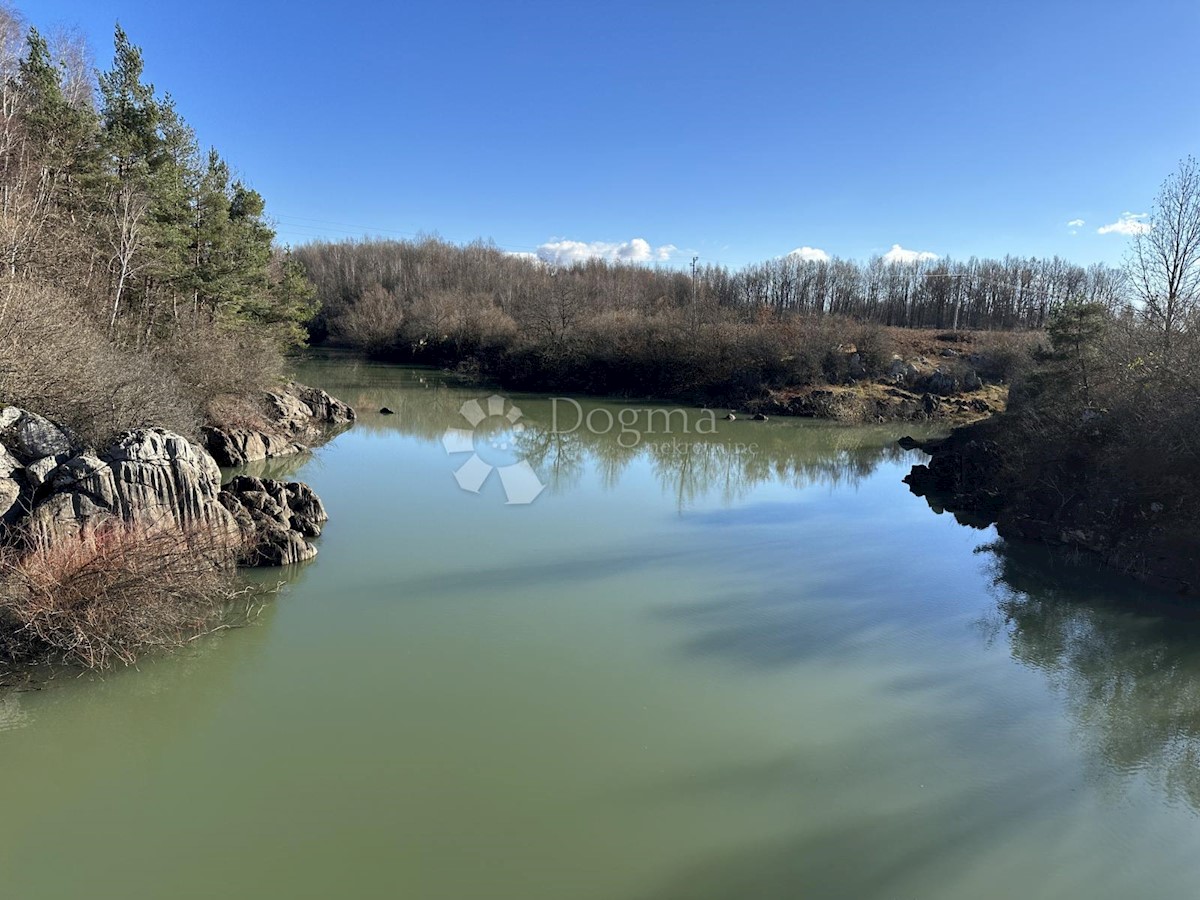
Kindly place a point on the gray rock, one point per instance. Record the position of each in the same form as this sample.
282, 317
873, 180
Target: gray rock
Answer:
972, 381
277, 519
30, 436
8, 463
307, 410
11, 507
154, 478
238, 446
297, 417
39, 470
941, 382
149, 477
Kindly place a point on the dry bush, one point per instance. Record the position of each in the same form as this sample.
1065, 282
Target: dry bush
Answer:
58, 362
372, 322
111, 595
230, 411
1004, 356
210, 360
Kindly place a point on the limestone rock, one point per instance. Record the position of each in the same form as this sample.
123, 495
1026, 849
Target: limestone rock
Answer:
308, 411
238, 446
10, 500
30, 436
149, 477
297, 417
277, 518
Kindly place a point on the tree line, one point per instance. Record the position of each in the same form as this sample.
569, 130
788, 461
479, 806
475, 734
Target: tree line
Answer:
114, 222
365, 284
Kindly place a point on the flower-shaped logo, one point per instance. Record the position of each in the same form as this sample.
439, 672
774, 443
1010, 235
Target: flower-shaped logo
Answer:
491, 441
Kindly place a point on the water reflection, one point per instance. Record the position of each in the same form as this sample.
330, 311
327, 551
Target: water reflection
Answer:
1126, 661
693, 453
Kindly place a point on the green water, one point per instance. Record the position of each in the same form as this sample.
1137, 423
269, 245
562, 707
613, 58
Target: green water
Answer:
743, 665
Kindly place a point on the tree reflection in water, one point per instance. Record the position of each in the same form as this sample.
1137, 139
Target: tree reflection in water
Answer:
1125, 660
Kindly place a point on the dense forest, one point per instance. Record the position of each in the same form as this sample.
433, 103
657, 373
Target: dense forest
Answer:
140, 283
368, 282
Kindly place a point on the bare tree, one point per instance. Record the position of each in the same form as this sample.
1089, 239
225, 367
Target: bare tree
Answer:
1164, 262
128, 207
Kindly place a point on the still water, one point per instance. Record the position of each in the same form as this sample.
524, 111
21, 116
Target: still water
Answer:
708, 666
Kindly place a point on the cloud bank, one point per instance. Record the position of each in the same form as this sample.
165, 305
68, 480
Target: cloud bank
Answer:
636, 250
809, 254
899, 255
1128, 224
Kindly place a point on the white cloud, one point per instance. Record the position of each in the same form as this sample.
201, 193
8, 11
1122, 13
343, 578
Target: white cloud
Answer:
1075, 223
899, 255
636, 250
810, 254
1128, 224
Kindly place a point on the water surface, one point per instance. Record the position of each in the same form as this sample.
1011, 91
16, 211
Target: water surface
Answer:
741, 665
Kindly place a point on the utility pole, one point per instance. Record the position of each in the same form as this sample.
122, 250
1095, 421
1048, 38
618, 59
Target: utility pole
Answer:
695, 318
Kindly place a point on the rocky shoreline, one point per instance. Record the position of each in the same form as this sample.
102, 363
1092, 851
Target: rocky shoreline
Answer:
53, 488
965, 475
296, 418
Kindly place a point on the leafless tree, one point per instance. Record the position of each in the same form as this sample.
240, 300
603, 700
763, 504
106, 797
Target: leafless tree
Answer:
128, 208
1164, 262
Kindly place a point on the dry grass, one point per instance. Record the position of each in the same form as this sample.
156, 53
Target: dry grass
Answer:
109, 596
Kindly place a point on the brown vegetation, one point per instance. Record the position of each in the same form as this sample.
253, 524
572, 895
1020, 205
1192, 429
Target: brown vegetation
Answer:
109, 596
723, 337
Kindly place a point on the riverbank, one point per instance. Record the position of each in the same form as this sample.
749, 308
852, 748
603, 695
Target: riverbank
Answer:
890, 375
1068, 503
107, 551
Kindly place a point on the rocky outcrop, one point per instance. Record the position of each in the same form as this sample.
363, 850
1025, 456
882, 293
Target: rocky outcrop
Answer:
53, 489
278, 519
962, 471
148, 478
977, 474
871, 403
307, 413
295, 419
238, 446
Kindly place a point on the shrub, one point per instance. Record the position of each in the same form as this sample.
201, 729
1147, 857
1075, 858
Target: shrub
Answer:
59, 362
109, 596
1004, 356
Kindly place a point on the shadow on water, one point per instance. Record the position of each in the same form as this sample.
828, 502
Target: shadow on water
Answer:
1123, 660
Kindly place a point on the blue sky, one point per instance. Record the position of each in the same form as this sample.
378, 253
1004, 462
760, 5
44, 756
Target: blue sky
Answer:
736, 132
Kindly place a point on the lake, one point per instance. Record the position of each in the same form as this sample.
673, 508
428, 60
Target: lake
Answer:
679, 657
